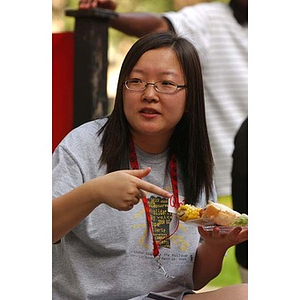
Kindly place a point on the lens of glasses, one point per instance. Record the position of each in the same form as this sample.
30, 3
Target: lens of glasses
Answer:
167, 87
135, 85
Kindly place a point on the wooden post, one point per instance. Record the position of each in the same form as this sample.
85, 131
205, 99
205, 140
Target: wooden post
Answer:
90, 63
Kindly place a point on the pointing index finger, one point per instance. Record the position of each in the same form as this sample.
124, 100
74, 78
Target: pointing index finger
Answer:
149, 187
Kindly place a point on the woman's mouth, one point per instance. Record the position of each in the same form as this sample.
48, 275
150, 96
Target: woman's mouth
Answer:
149, 112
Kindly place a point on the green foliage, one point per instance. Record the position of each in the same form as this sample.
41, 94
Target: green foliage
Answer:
70, 21
145, 6
230, 272
225, 1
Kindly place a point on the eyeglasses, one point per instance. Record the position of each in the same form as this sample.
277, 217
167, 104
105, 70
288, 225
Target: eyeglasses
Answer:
165, 86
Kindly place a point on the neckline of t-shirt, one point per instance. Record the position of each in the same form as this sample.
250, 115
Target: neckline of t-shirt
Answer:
150, 157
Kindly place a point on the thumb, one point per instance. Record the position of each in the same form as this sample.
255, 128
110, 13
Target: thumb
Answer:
140, 173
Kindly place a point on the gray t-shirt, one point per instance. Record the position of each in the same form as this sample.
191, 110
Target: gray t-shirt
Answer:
109, 254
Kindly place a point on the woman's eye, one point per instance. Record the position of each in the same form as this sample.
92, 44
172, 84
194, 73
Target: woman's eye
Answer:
167, 83
135, 81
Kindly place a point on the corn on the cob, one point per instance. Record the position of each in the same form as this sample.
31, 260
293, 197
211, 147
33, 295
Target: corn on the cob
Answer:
188, 212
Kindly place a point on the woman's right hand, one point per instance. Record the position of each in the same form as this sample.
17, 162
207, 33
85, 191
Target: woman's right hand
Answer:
123, 189
106, 4
120, 190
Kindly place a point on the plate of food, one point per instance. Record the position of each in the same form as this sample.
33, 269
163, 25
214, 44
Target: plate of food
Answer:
211, 216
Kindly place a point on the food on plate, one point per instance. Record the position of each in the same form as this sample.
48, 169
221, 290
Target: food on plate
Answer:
213, 213
187, 212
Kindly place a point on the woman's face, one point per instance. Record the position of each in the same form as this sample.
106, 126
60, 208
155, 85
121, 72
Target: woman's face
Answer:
150, 112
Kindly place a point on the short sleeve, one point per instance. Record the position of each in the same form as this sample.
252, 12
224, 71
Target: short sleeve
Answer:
66, 173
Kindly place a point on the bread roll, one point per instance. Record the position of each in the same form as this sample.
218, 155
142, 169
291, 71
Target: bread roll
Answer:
220, 214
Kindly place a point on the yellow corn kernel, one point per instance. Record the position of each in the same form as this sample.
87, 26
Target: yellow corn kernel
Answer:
188, 212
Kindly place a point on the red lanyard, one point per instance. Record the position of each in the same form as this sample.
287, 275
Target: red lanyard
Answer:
173, 173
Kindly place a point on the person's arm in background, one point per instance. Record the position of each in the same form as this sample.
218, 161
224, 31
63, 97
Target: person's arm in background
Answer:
135, 24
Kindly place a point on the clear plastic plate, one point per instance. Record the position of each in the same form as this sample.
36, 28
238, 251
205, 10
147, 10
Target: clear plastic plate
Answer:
209, 226
223, 229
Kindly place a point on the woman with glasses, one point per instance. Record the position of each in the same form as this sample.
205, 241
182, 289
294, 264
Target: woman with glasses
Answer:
118, 181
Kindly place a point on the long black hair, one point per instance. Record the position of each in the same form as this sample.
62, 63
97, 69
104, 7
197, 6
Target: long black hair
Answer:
189, 141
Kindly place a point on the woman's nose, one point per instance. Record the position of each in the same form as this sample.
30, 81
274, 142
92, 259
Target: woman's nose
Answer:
150, 94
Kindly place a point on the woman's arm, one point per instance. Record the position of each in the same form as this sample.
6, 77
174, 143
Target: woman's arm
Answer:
120, 190
210, 253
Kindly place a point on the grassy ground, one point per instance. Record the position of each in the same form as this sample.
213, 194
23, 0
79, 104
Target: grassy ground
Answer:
230, 271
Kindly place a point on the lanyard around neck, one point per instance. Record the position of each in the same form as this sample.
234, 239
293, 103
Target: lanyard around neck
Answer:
173, 173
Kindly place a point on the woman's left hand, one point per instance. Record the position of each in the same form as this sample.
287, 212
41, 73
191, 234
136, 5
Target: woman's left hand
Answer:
211, 251
216, 238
